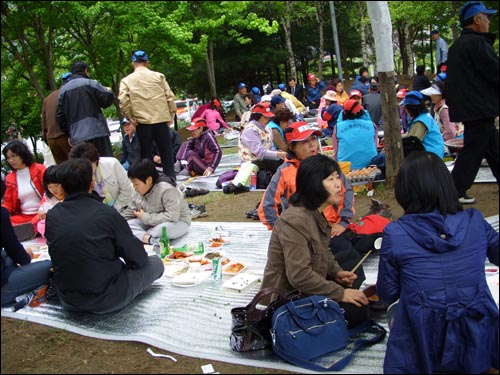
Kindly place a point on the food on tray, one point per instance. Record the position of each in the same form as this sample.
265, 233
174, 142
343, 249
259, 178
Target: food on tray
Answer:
213, 255
179, 255
234, 268
225, 261
367, 173
200, 260
216, 244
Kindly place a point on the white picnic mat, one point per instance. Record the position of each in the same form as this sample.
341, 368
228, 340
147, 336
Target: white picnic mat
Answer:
196, 321
483, 174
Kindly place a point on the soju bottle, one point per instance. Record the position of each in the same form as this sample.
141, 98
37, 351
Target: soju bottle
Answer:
164, 243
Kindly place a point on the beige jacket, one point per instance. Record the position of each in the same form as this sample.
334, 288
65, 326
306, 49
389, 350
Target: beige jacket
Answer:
299, 256
146, 97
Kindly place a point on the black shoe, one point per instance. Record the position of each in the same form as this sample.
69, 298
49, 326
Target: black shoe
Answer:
228, 189
241, 189
192, 192
252, 214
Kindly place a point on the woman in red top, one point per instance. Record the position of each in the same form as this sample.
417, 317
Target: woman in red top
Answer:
24, 184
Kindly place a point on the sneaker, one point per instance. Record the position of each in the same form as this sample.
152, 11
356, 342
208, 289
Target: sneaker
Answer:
465, 199
198, 211
252, 214
241, 189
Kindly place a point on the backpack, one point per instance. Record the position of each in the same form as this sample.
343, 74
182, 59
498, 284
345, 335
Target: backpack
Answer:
365, 231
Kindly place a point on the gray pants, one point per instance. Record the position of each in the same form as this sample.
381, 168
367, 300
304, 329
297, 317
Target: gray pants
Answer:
23, 279
174, 229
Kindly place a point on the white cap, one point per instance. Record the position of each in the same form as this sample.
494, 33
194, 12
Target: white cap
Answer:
433, 90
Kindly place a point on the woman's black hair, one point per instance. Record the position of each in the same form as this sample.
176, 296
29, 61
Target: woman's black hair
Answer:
310, 191
142, 169
424, 184
85, 150
255, 116
49, 177
21, 149
442, 87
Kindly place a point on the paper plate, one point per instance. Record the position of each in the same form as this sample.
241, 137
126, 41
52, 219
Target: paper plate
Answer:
241, 281
228, 268
186, 280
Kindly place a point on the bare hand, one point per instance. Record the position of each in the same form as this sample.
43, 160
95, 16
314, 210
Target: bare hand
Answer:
208, 172
157, 159
138, 214
355, 296
337, 230
29, 250
41, 215
345, 278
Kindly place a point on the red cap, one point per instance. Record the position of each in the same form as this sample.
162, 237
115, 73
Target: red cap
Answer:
300, 131
311, 77
401, 93
197, 123
355, 92
263, 108
352, 106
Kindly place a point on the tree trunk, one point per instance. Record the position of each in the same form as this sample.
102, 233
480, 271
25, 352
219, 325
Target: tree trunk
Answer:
288, 39
319, 17
364, 44
210, 68
455, 5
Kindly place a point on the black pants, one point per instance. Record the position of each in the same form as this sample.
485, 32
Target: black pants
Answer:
347, 257
160, 133
480, 141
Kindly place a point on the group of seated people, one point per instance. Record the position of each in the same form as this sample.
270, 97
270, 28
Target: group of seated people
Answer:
91, 205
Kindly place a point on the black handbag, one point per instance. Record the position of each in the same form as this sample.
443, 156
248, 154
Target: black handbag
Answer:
250, 327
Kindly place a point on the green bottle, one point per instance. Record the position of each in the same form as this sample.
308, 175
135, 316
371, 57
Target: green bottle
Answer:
164, 243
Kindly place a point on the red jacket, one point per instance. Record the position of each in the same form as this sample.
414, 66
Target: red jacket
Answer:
10, 200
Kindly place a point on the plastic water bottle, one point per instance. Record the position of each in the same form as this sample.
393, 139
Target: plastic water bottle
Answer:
23, 300
253, 181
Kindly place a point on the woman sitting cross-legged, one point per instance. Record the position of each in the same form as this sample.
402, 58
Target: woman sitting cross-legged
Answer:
155, 204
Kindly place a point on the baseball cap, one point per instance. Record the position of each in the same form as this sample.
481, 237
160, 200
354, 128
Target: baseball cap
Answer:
330, 95
255, 90
263, 108
471, 8
265, 98
311, 76
434, 32
413, 98
140, 56
433, 90
277, 99
197, 123
66, 77
352, 106
125, 121
282, 86
355, 92
241, 85
401, 93
300, 131
440, 76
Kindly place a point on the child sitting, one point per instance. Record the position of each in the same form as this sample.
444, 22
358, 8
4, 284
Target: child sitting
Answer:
54, 193
155, 204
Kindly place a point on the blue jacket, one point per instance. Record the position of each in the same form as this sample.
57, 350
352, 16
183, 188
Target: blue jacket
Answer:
356, 142
446, 319
433, 140
358, 85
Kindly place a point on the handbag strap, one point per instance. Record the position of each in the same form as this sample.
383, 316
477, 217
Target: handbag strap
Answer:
344, 361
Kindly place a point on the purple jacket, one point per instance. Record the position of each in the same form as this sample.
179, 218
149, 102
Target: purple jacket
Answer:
206, 146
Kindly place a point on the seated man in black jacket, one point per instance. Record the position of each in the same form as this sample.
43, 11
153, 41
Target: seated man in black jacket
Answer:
86, 240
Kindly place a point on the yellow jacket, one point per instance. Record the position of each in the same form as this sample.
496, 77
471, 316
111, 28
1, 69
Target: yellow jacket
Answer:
298, 104
146, 97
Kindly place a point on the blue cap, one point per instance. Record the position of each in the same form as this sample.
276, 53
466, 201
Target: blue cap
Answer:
471, 8
282, 86
277, 99
434, 32
140, 56
241, 85
66, 77
255, 90
413, 98
440, 77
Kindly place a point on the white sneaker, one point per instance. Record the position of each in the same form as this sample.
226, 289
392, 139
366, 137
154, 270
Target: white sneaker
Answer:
466, 199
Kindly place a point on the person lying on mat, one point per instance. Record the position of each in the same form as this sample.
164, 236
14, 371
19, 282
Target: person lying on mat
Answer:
298, 256
99, 265
432, 259
201, 154
19, 274
155, 204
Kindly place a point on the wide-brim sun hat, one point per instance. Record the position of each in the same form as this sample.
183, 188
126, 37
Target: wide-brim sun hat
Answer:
330, 95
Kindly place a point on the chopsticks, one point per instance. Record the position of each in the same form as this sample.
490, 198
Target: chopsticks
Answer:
361, 261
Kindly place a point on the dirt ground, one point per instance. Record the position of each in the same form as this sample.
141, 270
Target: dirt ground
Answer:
33, 348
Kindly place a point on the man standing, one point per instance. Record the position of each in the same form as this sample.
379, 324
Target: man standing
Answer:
148, 102
79, 112
56, 139
100, 266
240, 106
472, 68
441, 50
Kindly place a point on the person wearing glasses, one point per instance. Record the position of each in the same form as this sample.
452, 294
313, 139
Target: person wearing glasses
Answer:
149, 104
303, 143
24, 187
472, 68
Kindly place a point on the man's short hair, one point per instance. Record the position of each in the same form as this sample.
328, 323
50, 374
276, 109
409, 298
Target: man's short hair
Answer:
142, 169
84, 150
75, 175
78, 67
